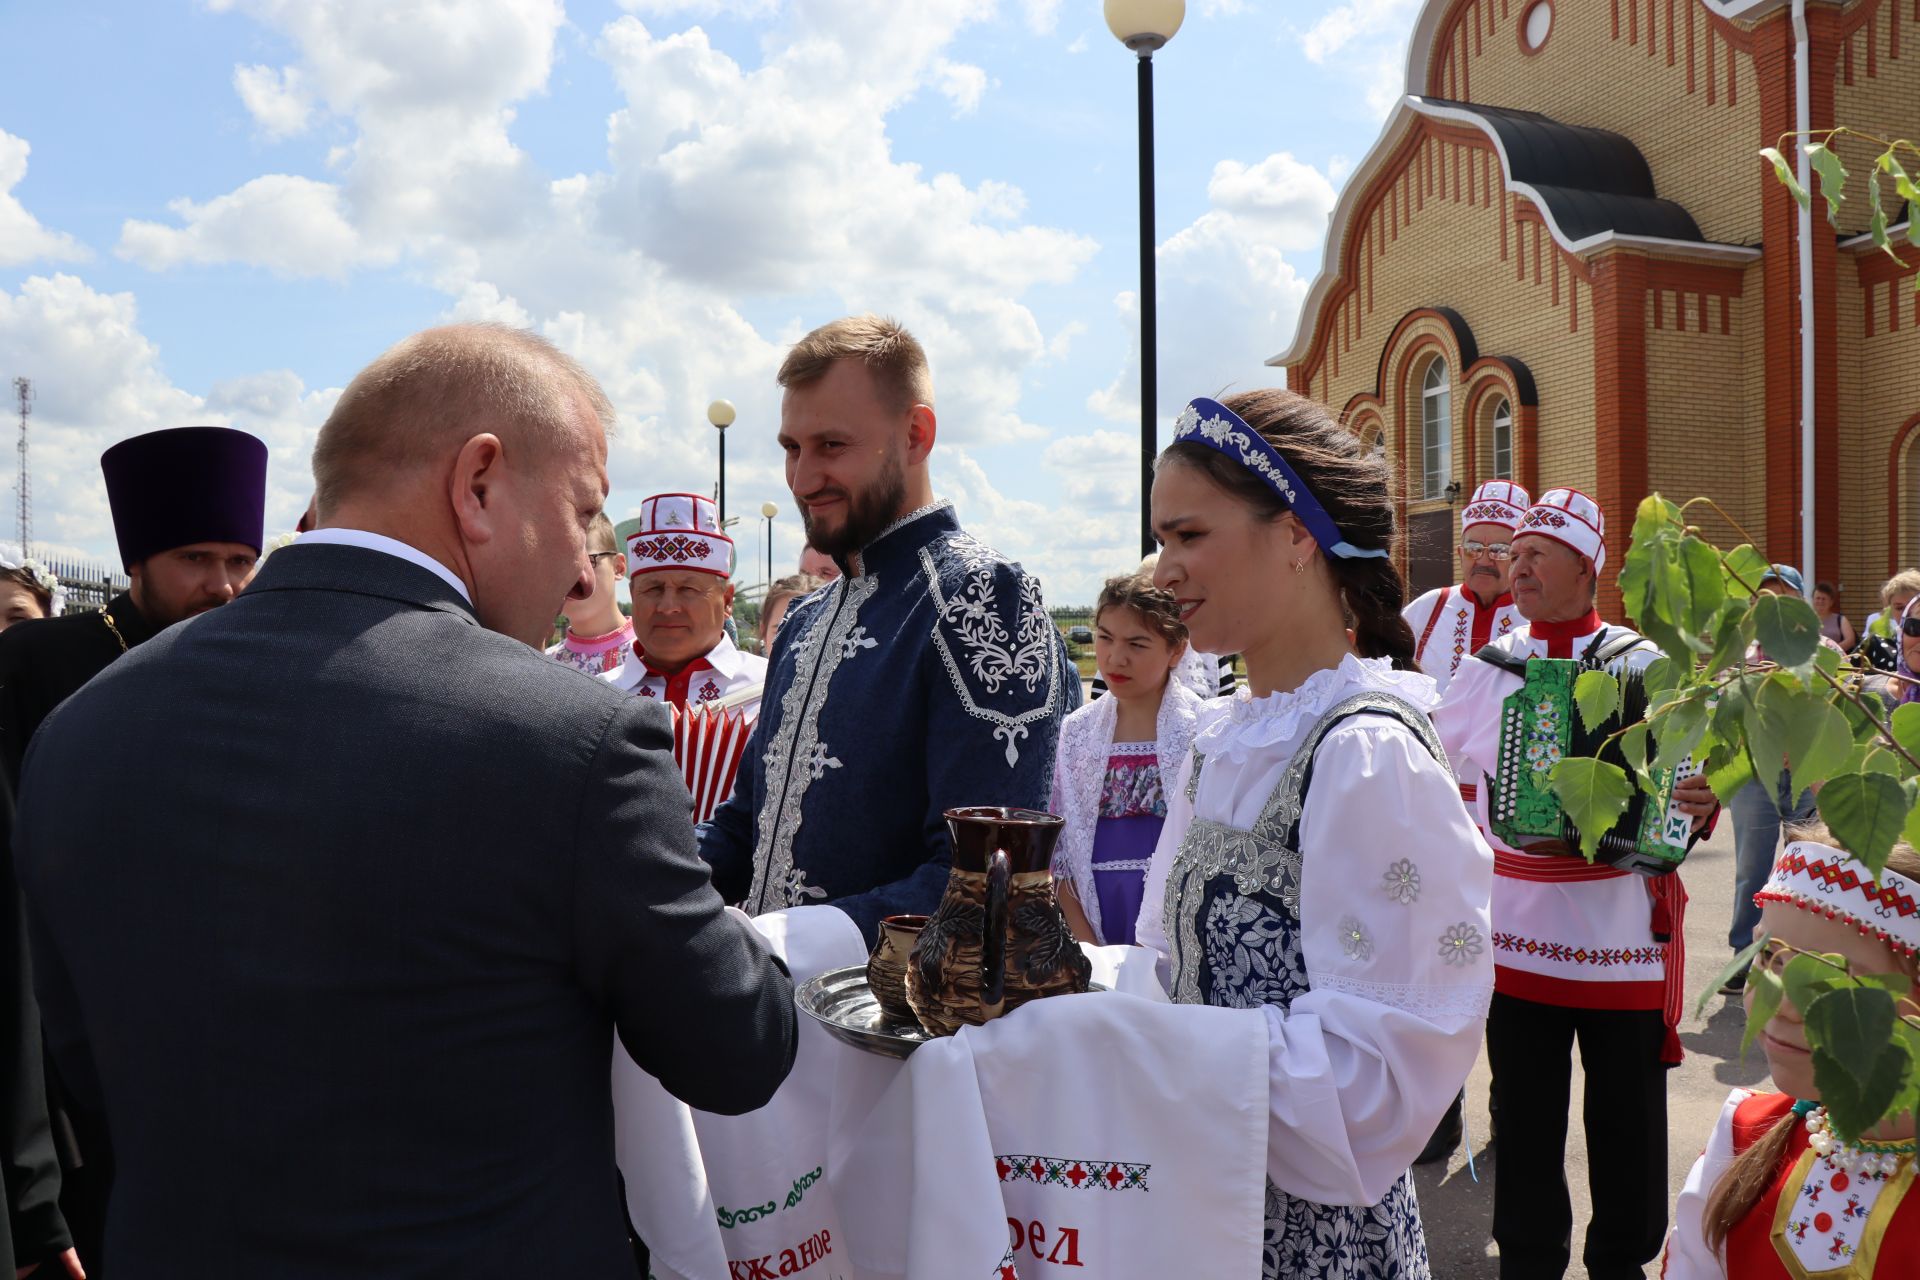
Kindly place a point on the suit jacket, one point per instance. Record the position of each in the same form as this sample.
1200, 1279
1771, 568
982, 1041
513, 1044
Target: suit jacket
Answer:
337, 898
42, 663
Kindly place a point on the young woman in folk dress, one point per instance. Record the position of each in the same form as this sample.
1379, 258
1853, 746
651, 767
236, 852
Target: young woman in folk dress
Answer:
1117, 757
1317, 862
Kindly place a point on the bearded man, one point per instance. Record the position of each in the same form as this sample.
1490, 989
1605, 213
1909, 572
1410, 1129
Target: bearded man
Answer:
928, 676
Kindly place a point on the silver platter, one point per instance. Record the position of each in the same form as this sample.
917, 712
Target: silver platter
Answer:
841, 1001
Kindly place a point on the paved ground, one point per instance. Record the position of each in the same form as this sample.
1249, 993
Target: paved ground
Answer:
1458, 1211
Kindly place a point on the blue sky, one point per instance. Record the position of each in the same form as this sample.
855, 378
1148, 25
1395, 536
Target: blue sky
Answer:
229, 206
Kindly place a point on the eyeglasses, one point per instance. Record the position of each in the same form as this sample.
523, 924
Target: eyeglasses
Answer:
595, 557
1493, 550
1910, 627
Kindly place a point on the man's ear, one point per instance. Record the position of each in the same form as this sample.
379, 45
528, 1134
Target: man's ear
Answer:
921, 429
472, 487
619, 566
727, 596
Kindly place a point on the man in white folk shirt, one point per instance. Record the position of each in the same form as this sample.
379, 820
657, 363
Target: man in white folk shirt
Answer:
1450, 624
679, 563
1581, 950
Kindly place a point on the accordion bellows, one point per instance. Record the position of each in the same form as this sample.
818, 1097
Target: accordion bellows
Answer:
708, 742
1539, 727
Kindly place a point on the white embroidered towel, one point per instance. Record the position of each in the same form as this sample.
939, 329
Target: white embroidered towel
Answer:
715, 1196
1130, 970
1100, 1135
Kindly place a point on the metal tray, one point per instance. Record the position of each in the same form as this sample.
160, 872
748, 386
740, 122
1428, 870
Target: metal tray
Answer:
841, 1001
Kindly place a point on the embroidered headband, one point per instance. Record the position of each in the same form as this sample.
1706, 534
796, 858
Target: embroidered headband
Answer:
1833, 883
1496, 502
1211, 423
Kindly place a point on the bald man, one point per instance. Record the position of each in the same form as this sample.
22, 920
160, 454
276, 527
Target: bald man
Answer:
350, 999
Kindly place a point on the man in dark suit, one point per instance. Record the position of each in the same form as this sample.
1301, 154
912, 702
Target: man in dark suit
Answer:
338, 892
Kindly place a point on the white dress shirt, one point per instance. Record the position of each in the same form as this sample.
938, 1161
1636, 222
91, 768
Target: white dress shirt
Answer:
391, 546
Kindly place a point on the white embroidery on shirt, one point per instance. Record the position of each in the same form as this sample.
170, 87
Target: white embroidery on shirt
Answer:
1401, 882
1460, 943
851, 646
994, 656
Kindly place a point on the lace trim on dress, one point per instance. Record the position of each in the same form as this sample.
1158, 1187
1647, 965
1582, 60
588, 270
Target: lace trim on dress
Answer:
1420, 999
1252, 724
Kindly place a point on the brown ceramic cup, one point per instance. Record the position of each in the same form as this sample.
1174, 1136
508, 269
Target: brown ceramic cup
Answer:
887, 966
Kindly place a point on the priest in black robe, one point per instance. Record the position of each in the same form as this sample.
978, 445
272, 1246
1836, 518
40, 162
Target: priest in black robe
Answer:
188, 513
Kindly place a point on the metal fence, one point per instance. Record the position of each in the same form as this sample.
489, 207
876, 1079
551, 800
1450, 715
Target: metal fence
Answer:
89, 586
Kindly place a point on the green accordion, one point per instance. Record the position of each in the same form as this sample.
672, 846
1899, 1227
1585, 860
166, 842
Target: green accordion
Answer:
1539, 727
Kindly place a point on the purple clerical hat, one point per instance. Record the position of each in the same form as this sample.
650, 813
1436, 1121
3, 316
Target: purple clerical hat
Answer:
185, 485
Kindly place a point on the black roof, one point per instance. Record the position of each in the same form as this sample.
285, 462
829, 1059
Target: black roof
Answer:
1591, 180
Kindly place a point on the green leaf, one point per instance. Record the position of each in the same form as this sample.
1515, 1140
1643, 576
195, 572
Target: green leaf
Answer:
1906, 726
1744, 960
1782, 724
1767, 990
1784, 171
1833, 177
1746, 570
1877, 218
1654, 517
1737, 773
1865, 812
1633, 749
1825, 752
1593, 794
1732, 636
1808, 976
1678, 732
1869, 758
1910, 830
1706, 581
1855, 1104
1852, 1026
1597, 694
1787, 628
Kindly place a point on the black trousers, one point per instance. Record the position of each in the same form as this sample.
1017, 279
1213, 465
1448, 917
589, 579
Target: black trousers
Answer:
1529, 1047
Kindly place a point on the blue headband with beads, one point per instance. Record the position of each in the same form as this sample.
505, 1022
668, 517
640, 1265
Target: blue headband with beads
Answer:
1212, 424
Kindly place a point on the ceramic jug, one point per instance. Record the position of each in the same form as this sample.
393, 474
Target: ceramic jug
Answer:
998, 939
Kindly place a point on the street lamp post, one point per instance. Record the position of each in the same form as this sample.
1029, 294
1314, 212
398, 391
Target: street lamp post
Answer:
720, 414
1144, 26
769, 510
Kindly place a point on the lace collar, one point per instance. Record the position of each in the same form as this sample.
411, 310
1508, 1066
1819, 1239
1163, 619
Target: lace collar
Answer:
1244, 724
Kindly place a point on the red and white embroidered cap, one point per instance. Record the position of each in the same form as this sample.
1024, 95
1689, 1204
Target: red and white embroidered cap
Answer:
1499, 502
679, 531
1833, 883
1571, 518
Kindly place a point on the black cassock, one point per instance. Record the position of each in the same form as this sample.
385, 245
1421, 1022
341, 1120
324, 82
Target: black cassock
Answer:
42, 664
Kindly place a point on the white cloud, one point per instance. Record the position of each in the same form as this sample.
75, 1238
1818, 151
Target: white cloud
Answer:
960, 83
277, 100
293, 226
1042, 15
1367, 39
1226, 276
98, 380
22, 238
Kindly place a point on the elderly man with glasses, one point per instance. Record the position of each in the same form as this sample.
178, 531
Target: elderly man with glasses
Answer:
1451, 624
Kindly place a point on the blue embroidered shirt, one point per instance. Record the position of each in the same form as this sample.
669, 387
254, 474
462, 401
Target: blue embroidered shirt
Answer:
931, 679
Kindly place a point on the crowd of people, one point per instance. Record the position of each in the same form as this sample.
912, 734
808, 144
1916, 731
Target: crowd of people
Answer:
340, 875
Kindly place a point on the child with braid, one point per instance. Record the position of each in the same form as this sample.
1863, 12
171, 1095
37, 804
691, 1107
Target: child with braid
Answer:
1776, 1193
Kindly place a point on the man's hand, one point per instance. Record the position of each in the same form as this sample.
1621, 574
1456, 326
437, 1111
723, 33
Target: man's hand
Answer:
69, 1263
1694, 797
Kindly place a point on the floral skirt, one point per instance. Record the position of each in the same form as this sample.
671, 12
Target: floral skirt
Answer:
1308, 1241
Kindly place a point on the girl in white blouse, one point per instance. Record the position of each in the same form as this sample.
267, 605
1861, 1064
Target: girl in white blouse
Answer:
1317, 862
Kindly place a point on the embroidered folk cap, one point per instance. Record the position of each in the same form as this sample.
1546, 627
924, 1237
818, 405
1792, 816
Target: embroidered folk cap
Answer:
1833, 883
678, 531
1212, 424
1496, 502
1572, 519
184, 485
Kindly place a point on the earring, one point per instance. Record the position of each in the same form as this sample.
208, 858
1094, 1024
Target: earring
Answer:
1299, 566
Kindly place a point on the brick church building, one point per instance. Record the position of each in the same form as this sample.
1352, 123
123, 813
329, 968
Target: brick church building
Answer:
1563, 263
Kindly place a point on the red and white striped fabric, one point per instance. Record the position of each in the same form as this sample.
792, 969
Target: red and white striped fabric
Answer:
708, 742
